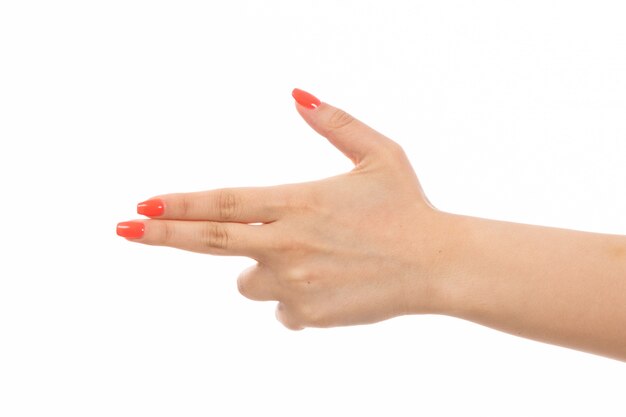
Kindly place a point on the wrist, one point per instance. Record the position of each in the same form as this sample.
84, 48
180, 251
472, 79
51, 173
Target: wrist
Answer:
446, 276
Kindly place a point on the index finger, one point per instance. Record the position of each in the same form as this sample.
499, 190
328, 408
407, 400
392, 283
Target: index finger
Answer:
241, 205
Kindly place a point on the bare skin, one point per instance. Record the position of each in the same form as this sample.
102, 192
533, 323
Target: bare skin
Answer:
367, 245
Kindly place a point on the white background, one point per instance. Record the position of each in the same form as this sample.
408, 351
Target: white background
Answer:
508, 110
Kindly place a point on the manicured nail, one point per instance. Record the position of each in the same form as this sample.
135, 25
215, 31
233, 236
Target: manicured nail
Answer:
131, 230
151, 208
305, 99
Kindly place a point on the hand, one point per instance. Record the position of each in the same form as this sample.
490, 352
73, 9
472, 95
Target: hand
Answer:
356, 248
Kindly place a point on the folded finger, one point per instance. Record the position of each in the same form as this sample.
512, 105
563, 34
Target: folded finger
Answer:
258, 283
284, 314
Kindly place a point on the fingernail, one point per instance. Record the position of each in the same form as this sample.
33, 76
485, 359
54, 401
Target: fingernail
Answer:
131, 230
151, 208
305, 99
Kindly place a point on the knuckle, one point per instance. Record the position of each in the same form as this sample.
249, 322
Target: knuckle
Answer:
339, 119
242, 286
302, 200
395, 150
310, 315
299, 276
214, 236
292, 326
288, 324
168, 232
298, 250
292, 201
286, 318
227, 205
185, 203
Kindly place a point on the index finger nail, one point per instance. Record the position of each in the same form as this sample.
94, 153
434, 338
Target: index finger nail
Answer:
305, 99
152, 207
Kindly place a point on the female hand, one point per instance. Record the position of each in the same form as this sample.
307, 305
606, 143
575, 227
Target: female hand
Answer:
356, 248
367, 245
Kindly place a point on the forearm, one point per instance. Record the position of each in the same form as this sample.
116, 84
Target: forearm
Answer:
559, 286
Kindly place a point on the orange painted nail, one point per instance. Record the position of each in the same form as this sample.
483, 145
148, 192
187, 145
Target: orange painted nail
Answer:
151, 208
305, 99
131, 230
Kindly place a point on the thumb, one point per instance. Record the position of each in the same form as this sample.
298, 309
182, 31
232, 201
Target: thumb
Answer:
355, 139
